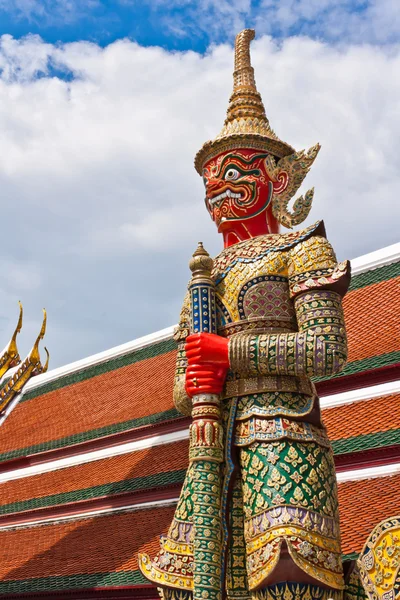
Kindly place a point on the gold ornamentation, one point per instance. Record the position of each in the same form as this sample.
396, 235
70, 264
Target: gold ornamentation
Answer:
246, 124
182, 401
379, 561
289, 493
295, 166
262, 255
267, 383
319, 348
30, 367
261, 429
10, 357
354, 589
296, 591
314, 253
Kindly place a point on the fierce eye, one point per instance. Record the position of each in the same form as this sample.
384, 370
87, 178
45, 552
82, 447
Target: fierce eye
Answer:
231, 174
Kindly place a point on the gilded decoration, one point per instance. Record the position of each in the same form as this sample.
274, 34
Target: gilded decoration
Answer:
296, 591
13, 381
379, 561
246, 120
10, 356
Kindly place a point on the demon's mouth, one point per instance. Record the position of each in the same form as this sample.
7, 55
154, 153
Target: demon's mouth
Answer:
227, 194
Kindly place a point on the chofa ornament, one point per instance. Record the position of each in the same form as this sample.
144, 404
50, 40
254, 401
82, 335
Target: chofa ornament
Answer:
247, 126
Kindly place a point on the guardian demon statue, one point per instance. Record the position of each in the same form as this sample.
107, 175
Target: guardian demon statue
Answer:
273, 524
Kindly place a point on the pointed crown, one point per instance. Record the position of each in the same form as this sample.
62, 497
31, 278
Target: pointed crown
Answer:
246, 124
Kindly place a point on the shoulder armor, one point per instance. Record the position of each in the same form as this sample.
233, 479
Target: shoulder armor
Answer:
312, 265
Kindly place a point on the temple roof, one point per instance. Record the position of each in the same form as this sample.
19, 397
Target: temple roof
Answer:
93, 454
102, 550
78, 397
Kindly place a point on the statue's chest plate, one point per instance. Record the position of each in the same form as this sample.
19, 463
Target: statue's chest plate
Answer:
255, 295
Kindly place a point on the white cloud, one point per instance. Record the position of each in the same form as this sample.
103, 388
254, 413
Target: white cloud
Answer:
101, 205
358, 21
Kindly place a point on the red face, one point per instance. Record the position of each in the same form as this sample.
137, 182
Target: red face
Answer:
239, 193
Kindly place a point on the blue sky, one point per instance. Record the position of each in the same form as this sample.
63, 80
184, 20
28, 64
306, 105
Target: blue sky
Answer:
187, 25
103, 106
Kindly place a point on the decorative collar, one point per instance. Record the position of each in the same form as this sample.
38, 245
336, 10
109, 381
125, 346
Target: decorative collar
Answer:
255, 248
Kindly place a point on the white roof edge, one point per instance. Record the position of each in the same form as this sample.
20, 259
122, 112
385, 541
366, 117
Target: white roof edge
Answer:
365, 393
101, 357
342, 477
367, 262
89, 514
333, 401
376, 259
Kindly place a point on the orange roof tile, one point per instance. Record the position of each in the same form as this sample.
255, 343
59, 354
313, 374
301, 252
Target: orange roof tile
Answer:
363, 504
110, 543
95, 545
365, 416
134, 391
372, 319
118, 468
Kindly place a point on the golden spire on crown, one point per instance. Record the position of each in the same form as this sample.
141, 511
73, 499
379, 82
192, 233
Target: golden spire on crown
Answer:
246, 124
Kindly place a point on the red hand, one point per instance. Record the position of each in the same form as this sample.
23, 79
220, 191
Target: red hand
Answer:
208, 363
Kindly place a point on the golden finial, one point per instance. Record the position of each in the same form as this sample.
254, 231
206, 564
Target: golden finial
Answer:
243, 60
10, 357
34, 356
46, 365
246, 124
201, 263
245, 100
12, 346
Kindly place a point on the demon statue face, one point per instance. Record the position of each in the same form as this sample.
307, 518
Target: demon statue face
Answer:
247, 192
239, 193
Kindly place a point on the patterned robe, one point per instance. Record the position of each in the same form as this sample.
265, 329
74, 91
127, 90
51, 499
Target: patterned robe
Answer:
279, 303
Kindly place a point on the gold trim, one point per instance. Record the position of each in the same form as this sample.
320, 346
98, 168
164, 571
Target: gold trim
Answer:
160, 577
268, 383
280, 531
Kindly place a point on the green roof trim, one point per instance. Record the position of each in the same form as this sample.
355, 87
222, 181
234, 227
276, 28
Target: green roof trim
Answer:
366, 364
68, 582
78, 438
91, 580
366, 441
351, 556
97, 491
100, 368
375, 276
351, 368
343, 446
